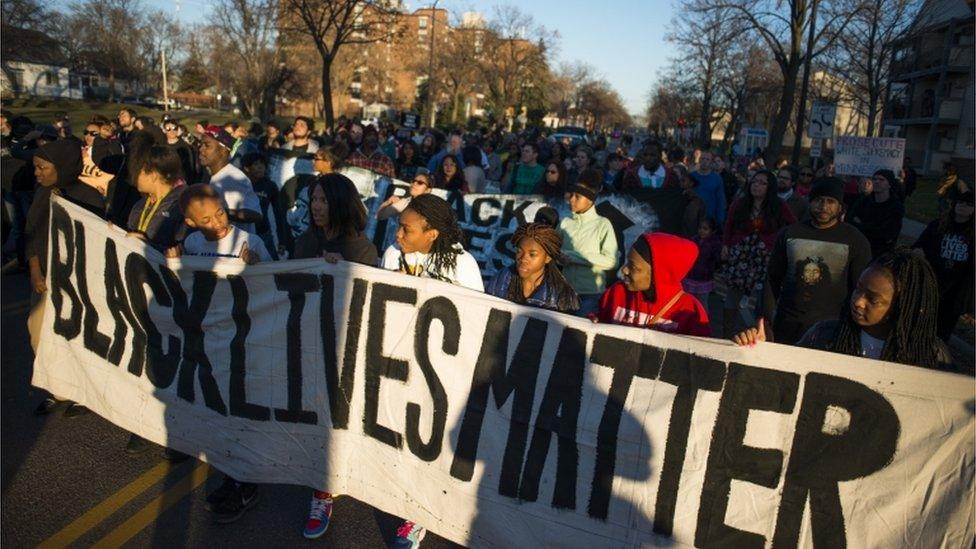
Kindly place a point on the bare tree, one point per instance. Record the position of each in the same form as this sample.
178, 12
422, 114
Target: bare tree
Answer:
27, 14
111, 32
251, 29
748, 86
783, 26
703, 38
516, 71
332, 24
863, 54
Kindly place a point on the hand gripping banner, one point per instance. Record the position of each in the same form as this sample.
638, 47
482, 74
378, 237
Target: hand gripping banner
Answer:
494, 424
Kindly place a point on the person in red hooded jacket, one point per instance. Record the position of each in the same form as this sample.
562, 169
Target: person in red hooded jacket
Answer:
650, 293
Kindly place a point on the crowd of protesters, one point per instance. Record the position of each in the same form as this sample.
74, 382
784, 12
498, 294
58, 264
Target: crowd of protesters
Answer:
813, 253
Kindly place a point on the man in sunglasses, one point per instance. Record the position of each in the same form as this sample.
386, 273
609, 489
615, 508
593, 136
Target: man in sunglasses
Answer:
187, 154
98, 148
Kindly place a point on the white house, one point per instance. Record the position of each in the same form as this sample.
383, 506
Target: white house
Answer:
33, 64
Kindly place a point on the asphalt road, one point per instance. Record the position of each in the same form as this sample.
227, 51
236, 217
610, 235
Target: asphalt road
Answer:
68, 481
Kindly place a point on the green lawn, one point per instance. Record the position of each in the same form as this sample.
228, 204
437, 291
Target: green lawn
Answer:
41, 111
923, 205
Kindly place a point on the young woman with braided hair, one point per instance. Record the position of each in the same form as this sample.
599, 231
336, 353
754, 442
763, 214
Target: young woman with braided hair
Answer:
535, 279
430, 244
890, 315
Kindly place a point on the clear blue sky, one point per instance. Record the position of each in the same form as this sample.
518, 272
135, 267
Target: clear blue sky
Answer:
622, 39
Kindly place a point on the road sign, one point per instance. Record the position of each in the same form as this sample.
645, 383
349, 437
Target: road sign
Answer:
822, 120
816, 148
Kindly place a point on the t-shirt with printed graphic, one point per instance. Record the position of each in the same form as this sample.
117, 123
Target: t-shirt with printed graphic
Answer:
950, 252
228, 247
811, 272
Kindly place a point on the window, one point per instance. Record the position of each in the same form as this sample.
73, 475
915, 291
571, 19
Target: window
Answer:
51, 78
423, 22
17, 78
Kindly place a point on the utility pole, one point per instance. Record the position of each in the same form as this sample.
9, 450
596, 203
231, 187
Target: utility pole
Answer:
162, 53
798, 138
430, 68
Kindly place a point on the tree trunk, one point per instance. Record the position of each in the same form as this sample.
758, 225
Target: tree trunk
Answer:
327, 93
704, 128
783, 115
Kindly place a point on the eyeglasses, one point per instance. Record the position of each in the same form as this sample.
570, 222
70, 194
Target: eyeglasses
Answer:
552, 171
170, 129
419, 182
92, 133
806, 174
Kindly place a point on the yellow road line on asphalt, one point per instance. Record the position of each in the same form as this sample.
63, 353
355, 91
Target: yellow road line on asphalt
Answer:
152, 511
94, 516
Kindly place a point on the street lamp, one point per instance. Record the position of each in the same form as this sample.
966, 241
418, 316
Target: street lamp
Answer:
430, 66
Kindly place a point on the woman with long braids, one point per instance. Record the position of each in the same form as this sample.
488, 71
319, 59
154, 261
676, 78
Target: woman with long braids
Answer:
430, 244
890, 315
535, 279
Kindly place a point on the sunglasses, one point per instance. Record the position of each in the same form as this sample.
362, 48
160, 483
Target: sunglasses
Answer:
91, 133
170, 129
806, 174
419, 182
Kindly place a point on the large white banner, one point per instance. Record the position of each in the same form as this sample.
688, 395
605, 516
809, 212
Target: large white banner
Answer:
499, 425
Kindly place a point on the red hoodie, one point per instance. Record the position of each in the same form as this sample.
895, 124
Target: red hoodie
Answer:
672, 258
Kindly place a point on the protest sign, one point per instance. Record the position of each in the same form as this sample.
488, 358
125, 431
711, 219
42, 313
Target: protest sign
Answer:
489, 220
494, 424
865, 155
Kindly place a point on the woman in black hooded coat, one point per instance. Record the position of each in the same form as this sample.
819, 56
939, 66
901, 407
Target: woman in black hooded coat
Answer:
57, 166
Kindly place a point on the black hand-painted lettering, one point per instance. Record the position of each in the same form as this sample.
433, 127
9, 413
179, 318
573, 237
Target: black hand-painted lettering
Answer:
819, 459
511, 211
118, 305
441, 309
746, 388
690, 374
340, 385
558, 414
488, 220
160, 367
237, 398
490, 374
60, 271
93, 340
297, 285
627, 359
378, 365
190, 320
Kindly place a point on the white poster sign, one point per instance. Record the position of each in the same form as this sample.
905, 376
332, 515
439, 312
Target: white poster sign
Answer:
862, 156
494, 424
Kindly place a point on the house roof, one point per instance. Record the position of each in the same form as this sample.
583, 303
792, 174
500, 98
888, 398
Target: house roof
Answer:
30, 46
